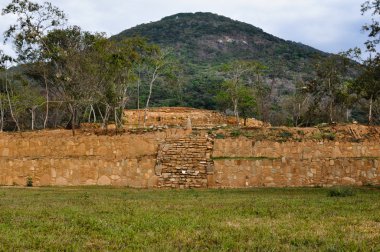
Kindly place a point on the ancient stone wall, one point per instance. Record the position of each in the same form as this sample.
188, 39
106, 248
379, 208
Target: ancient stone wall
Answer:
243, 162
177, 158
178, 116
184, 162
57, 158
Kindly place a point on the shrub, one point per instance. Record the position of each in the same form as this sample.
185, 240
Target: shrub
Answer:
341, 192
236, 133
29, 182
219, 136
286, 135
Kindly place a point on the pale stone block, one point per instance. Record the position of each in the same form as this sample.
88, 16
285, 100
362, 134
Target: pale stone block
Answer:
115, 177
90, 182
104, 180
5, 152
269, 178
348, 181
61, 181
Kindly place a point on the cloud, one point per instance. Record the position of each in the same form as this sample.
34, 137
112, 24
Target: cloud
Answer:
328, 25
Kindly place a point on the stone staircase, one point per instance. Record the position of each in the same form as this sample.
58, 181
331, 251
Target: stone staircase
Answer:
184, 162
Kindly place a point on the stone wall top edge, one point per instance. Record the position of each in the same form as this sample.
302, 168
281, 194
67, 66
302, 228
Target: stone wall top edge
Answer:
237, 139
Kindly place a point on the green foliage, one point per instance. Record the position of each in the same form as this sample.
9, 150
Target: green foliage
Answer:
285, 135
219, 136
203, 50
29, 181
34, 20
328, 88
236, 133
324, 135
341, 192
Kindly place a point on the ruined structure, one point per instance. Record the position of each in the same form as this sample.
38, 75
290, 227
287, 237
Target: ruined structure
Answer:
178, 116
214, 157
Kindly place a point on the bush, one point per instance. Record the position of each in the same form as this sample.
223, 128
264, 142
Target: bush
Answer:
219, 136
341, 192
286, 135
29, 182
235, 133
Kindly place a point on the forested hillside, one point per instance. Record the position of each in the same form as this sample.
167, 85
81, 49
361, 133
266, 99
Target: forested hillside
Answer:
203, 43
63, 75
210, 39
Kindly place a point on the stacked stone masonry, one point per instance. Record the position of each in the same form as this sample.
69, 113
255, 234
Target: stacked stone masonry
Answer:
178, 116
175, 158
184, 162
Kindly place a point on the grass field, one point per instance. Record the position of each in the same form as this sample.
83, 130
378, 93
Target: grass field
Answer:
98, 218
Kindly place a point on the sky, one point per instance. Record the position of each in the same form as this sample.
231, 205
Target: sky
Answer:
328, 25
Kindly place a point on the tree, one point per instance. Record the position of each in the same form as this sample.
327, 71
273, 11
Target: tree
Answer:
117, 63
236, 88
373, 29
367, 85
261, 89
157, 64
328, 84
34, 21
69, 55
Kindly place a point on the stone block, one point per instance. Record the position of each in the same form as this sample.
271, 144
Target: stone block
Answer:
104, 180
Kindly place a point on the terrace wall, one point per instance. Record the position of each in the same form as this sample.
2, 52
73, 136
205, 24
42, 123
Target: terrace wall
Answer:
57, 158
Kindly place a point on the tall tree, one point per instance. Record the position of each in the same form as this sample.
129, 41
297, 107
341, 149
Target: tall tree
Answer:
328, 84
373, 28
69, 55
236, 87
367, 85
156, 65
34, 21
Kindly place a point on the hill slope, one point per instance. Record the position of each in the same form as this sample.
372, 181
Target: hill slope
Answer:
204, 41
209, 39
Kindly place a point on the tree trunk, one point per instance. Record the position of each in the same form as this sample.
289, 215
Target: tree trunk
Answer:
370, 110
236, 112
331, 102
73, 115
93, 113
33, 116
154, 77
299, 113
47, 101
105, 117
10, 103
1, 115
138, 97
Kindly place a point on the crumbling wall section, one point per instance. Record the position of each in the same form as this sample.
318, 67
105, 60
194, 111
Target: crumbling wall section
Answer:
184, 162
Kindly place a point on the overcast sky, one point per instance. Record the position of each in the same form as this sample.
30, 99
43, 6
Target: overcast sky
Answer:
328, 25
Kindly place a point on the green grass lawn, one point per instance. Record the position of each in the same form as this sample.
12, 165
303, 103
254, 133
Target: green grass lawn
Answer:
101, 218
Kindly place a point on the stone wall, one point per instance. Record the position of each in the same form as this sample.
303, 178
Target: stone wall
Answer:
177, 158
246, 163
184, 162
57, 158
178, 116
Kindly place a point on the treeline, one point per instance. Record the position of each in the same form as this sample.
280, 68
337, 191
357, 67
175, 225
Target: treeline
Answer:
63, 76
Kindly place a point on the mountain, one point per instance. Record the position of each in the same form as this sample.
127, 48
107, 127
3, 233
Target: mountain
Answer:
204, 41
206, 38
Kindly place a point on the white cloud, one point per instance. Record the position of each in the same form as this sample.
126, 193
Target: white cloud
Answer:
329, 25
